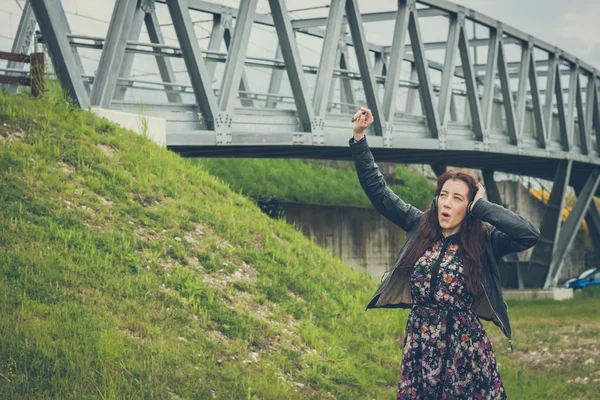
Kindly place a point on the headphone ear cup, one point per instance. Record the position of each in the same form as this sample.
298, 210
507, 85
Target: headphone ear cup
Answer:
435, 201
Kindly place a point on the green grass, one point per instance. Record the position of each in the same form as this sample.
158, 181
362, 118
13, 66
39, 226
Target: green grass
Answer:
126, 272
307, 182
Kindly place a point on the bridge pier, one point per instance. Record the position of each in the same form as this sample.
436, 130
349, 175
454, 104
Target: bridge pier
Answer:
541, 257
571, 226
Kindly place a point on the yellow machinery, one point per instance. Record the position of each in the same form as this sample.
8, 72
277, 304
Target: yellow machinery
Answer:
565, 213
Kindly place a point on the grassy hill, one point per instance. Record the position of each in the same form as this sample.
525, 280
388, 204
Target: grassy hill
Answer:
126, 272
303, 181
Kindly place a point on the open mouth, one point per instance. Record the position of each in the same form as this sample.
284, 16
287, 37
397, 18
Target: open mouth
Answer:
446, 215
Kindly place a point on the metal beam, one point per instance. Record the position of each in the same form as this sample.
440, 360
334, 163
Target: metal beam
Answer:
327, 61
448, 71
596, 118
507, 100
526, 53
540, 125
192, 55
216, 39
367, 17
550, 87
22, 41
395, 63
412, 92
592, 219
560, 106
364, 64
574, 72
164, 63
53, 24
127, 64
584, 139
244, 85
275, 82
293, 65
542, 254
422, 65
113, 53
589, 107
472, 90
346, 90
236, 56
489, 83
569, 229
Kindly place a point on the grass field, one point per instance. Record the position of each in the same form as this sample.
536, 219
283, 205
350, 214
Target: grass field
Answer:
126, 273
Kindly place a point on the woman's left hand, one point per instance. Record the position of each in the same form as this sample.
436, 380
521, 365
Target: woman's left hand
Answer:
479, 195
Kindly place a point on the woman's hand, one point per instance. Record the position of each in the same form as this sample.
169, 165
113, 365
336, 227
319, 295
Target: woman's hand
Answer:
479, 195
362, 119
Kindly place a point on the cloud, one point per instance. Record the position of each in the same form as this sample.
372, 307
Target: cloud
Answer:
580, 32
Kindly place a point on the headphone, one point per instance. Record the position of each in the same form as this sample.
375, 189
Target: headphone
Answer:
469, 212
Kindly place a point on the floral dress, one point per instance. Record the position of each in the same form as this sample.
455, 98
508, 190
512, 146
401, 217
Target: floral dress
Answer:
447, 354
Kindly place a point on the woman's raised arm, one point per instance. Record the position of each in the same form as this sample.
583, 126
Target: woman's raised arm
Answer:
383, 199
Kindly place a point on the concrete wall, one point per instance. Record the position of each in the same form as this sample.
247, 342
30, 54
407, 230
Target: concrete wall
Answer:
368, 242
360, 236
154, 128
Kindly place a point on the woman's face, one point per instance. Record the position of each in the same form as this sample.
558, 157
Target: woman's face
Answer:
452, 204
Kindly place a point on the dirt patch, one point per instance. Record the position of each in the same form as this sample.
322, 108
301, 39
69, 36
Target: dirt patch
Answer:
108, 151
13, 135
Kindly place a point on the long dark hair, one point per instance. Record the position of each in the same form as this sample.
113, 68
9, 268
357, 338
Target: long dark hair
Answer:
473, 235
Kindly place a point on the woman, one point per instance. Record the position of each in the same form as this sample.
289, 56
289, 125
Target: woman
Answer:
447, 274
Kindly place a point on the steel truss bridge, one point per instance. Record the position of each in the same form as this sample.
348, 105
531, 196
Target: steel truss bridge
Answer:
527, 108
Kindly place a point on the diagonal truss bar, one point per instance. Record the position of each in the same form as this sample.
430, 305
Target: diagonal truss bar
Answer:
542, 254
327, 61
570, 227
53, 24
364, 65
192, 56
448, 70
113, 52
395, 63
164, 63
275, 82
507, 100
550, 85
236, 56
346, 90
560, 107
412, 92
540, 125
293, 66
22, 41
590, 96
422, 66
573, 73
214, 43
596, 118
490, 78
472, 90
581, 119
244, 83
526, 53
127, 64
592, 219
380, 66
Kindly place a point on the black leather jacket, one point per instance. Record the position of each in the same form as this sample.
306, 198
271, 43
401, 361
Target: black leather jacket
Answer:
508, 233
